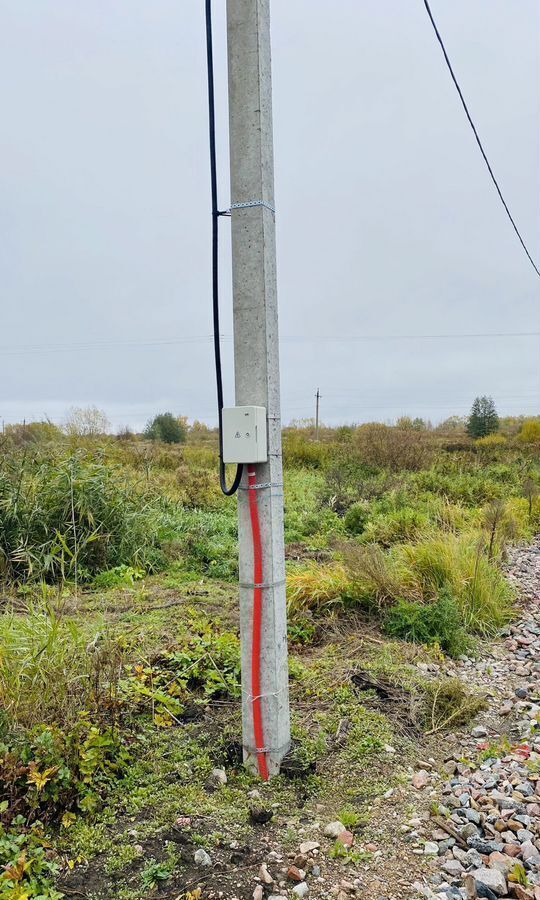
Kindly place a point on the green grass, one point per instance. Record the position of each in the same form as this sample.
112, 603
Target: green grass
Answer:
49, 671
119, 649
71, 517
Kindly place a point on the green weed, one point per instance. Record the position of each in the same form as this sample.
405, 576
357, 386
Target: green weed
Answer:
72, 517
438, 623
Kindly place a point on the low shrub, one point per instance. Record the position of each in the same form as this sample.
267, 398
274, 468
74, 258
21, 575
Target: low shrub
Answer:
394, 448
199, 487
48, 771
356, 518
348, 480
33, 433
301, 451
29, 867
438, 623
167, 428
205, 666
491, 442
457, 565
530, 432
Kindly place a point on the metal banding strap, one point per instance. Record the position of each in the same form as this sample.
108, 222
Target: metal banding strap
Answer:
262, 486
254, 751
263, 584
247, 203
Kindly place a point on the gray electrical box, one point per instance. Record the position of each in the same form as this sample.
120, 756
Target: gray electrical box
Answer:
244, 434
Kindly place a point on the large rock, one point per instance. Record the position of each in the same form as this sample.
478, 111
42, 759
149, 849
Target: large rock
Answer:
491, 878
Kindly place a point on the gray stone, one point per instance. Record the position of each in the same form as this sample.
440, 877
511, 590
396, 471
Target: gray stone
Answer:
431, 848
219, 776
334, 829
453, 868
483, 846
446, 845
202, 858
473, 816
474, 859
491, 878
524, 835
479, 731
525, 788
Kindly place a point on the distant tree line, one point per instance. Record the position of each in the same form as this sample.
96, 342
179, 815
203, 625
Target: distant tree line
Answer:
91, 423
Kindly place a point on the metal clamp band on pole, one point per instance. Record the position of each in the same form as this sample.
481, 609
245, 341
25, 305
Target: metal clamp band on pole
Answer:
255, 750
248, 203
262, 486
263, 584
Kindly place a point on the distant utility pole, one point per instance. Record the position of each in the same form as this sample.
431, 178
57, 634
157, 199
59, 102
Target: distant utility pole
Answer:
256, 347
317, 403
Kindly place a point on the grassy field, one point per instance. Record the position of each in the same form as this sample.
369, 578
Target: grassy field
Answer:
119, 651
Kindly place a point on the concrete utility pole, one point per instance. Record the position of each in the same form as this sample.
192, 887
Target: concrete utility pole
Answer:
317, 403
256, 347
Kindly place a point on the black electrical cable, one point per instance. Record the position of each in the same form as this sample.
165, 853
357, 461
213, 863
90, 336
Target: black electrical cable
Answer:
228, 491
475, 132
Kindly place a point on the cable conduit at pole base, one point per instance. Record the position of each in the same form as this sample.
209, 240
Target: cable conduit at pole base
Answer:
258, 578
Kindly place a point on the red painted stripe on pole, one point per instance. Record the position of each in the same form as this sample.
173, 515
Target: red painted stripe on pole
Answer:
258, 728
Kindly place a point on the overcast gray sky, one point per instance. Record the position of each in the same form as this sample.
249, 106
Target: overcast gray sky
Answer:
387, 221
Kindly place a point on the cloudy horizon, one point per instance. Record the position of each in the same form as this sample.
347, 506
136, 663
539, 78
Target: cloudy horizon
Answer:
402, 287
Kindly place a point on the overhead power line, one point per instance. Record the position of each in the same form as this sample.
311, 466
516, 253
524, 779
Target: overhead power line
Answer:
478, 141
342, 338
6, 350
